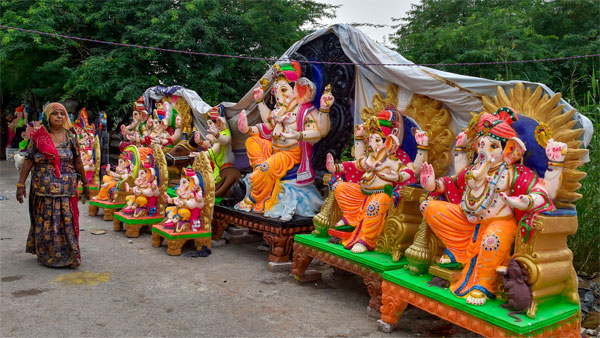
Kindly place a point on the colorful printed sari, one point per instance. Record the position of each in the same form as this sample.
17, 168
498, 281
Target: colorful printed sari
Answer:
53, 211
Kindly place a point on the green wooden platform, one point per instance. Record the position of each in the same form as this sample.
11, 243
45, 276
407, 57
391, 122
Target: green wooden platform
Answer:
374, 260
547, 314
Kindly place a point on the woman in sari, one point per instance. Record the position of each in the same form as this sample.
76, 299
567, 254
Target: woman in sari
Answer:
54, 160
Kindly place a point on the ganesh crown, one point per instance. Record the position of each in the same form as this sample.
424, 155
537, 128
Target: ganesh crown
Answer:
289, 71
385, 122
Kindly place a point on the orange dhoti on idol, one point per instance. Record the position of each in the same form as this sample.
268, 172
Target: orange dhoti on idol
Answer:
103, 194
270, 166
480, 247
364, 209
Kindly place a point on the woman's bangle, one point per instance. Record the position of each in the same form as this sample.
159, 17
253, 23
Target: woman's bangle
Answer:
460, 149
259, 101
301, 137
422, 147
20, 185
324, 111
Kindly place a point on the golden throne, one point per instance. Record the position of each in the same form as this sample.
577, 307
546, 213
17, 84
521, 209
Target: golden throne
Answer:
402, 221
546, 257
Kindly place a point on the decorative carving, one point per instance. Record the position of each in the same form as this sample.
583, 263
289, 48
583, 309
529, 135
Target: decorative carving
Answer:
281, 247
392, 305
300, 262
395, 298
419, 254
279, 234
549, 267
202, 164
545, 109
329, 215
379, 103
434, 119
371, 278
401, 224
374, 289
341, 77
163, 174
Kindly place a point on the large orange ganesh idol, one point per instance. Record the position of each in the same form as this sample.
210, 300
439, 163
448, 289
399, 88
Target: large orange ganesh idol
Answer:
488, 201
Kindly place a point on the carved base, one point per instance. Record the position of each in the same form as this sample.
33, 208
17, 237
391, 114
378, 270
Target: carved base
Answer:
176, 241
303, 255
174, 246
133, 225
117, 225
109, 214
279, 234
92, 210
395, 299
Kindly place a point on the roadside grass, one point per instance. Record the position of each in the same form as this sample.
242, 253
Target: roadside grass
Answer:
585, 243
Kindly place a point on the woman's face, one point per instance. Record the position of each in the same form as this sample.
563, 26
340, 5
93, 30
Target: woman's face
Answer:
57, 118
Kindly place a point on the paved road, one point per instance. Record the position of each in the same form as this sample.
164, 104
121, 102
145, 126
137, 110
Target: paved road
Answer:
133, 289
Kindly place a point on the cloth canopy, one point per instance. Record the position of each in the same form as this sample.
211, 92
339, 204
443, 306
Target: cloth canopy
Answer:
460, 94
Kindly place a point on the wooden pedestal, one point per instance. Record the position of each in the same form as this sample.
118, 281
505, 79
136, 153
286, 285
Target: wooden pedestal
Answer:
176, 241
559, 318
133, 225
279, 234
108, 207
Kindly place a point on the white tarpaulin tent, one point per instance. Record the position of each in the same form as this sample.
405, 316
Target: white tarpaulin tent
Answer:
460, 94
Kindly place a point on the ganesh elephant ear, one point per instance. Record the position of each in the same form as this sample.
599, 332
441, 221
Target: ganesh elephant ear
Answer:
392, 144
514, 150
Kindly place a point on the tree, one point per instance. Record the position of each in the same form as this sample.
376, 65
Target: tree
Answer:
103, 77
443, 31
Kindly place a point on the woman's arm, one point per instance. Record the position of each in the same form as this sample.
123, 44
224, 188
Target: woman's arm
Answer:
25, 169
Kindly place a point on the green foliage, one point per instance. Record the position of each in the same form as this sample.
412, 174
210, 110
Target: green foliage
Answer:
585, 244
40, 69
445, 31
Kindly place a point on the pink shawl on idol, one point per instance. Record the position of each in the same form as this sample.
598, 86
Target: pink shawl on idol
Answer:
305, 173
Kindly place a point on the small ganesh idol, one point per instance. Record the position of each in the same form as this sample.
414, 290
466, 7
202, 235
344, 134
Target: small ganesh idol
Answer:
134, 131
218, 144
285, 138
159, 135
488, 200
111, 181
365, 203
89, 164
187, 212
144, 200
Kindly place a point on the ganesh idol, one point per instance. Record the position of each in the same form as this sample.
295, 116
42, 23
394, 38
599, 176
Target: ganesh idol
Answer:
144, 200
284, 141
364, 202
488, 201
137, 128
186, 214
112, 180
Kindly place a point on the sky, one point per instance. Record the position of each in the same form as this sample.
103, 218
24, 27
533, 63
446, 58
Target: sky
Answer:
370, 11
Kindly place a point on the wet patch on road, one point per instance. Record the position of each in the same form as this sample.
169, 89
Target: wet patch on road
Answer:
83, 278
28, 292
12, 278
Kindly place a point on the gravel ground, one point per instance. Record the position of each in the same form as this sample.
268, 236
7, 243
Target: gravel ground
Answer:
132, 289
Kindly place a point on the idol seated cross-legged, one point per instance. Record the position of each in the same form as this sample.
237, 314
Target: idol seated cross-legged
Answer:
491, 198
285, 139
364, 204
